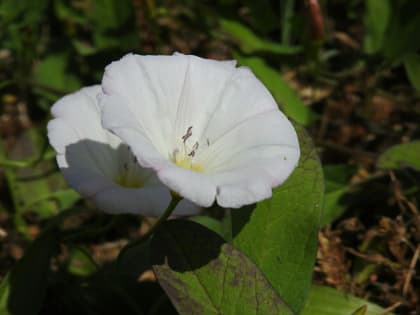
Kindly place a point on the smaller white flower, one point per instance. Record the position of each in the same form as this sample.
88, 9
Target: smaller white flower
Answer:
99, 166
209, 130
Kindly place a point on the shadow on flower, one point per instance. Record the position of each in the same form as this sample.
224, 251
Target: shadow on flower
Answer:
114, 181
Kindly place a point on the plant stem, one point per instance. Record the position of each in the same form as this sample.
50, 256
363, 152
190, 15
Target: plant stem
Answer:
171, 207
286, 23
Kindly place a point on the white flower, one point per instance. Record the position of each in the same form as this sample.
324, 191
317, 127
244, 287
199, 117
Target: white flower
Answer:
98, 165
210, 131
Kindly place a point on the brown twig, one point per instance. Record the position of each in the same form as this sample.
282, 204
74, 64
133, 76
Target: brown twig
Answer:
373, 258
411, 271
390, 308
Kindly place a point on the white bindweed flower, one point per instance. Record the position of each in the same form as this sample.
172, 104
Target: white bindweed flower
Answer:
98, 165
210, 131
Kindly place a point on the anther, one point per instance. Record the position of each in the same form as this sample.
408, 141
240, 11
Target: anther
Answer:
187, 134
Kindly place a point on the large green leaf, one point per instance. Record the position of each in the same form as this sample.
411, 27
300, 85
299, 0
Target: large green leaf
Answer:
202, 274
249, 42
285, 96
402, 155
412, 67
23, 290
377, 15
280, 234
329, 301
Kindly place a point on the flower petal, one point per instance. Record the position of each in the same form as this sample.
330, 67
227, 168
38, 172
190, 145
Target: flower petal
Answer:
242, 187
194, 186
265, 135
147, 87
90, 157
243, 96
164, 95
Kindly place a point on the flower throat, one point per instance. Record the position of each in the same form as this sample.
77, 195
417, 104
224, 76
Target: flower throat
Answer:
185, 158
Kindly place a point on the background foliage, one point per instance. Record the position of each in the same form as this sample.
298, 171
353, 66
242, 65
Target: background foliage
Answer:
349, 71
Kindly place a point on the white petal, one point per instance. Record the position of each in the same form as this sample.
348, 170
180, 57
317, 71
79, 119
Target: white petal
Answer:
164, 95
90, 157
202, 91
242, 187
265, 135
114, 199
119, 119
77, 119
243, 96
149, 88
196, 187
251, 158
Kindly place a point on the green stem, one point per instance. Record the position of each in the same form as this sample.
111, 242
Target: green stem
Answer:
45, 154
171, 207
286, 21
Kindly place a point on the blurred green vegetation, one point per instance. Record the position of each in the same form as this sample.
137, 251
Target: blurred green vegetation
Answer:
348, 70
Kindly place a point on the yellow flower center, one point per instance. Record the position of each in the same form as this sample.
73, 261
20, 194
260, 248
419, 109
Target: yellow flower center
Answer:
187, 162
185, 157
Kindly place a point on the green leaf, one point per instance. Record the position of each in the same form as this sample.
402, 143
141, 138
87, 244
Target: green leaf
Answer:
250, 43
412, 67
23, 290
403, 28
360, 311
284, 95
65, 12
84, 48
40, 189
328, 301
25, 12
4, 294
399, 156
109, 14
79, 263
212, 224
337, 179
377, 16
280, 234
202, 274
53, 72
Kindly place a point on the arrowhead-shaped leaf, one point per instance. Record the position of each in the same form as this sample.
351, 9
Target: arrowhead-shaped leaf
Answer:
202, 274
280, 234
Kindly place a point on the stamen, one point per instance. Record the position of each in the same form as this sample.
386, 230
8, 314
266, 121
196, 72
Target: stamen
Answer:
187, 134
195, 147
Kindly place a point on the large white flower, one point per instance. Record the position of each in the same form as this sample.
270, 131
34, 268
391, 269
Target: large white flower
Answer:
98, 165
210, 131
